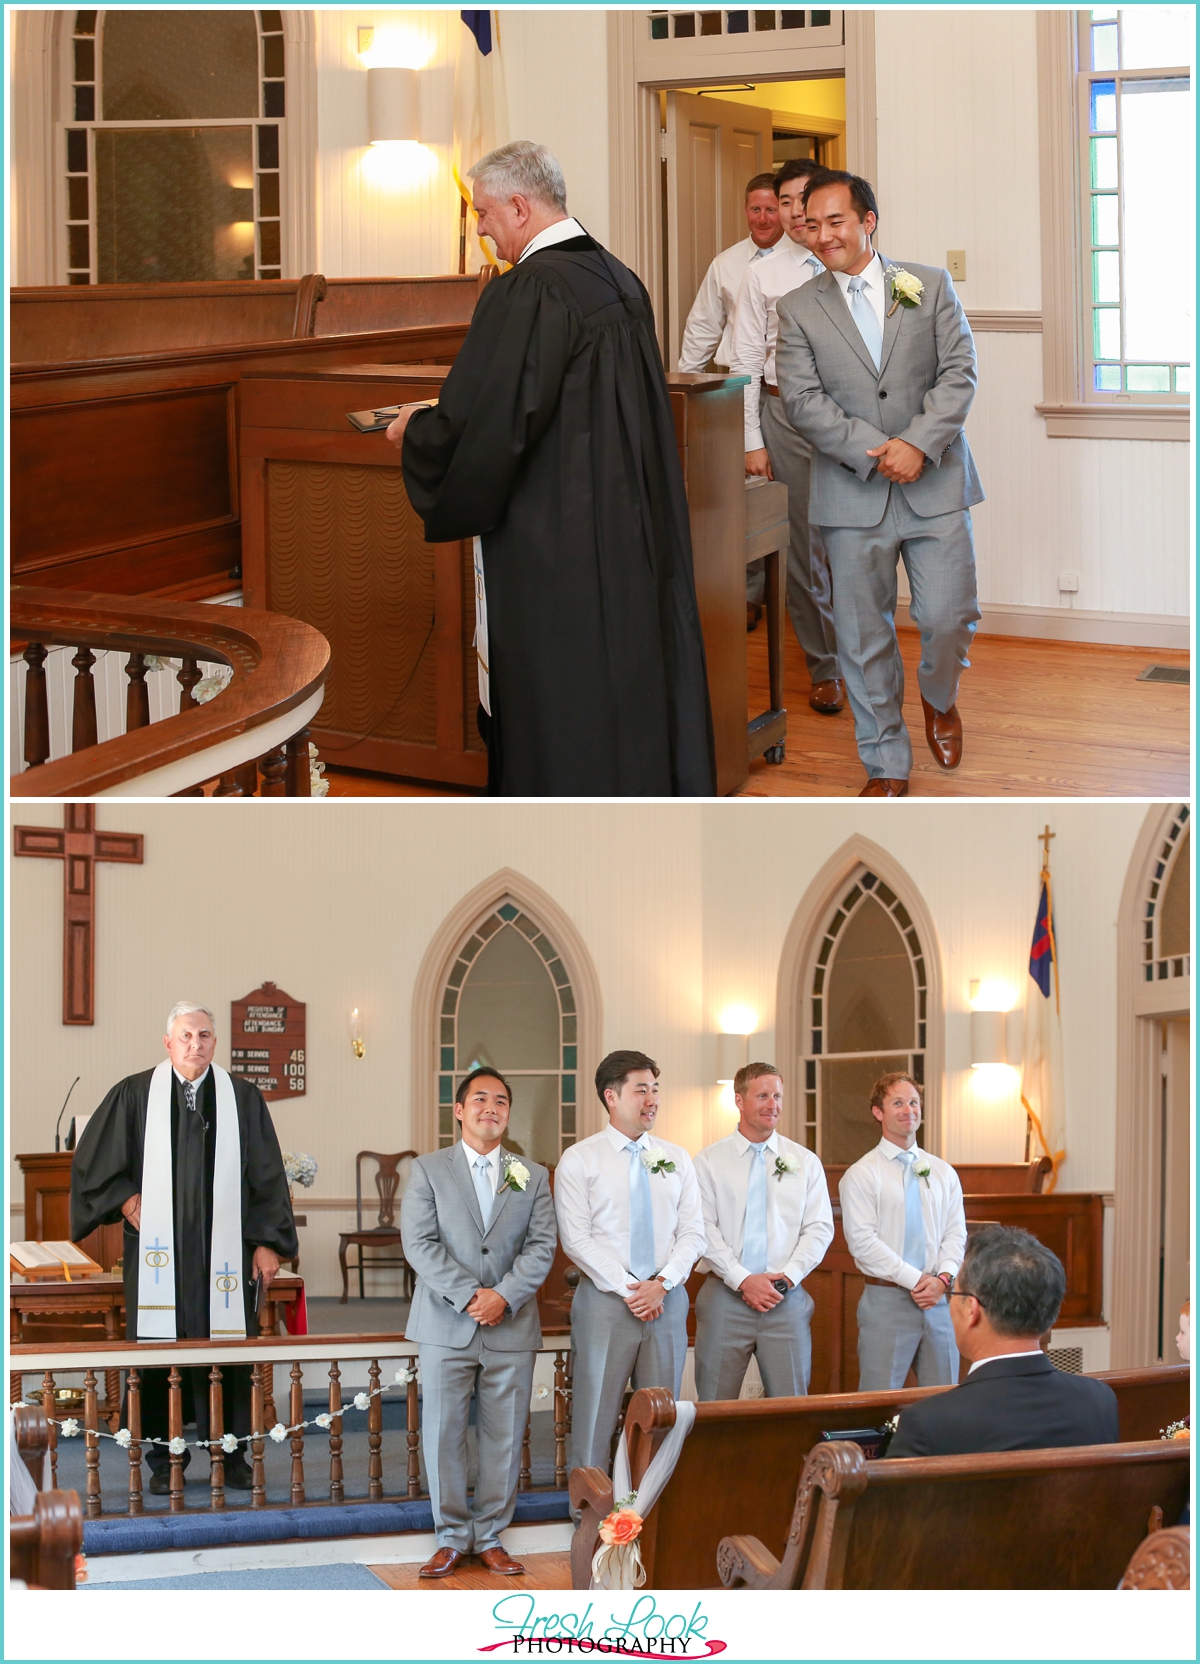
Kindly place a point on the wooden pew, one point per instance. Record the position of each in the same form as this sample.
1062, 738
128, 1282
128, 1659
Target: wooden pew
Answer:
43, 1544
738, 1468
1163, 1561
1024, 1519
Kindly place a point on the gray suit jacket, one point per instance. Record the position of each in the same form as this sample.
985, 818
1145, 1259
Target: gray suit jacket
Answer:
843, 406
452, 1254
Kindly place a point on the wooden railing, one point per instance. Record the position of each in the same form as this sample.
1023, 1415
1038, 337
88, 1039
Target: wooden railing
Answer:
257, 725
301, 1354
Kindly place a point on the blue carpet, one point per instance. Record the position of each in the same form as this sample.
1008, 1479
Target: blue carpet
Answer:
147, 1535
285, 1577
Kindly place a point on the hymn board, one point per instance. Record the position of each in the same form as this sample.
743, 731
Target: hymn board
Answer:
267, 1041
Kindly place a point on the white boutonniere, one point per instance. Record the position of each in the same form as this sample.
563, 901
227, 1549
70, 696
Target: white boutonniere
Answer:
656, 1160
516, 1174
922, 1168
906, 289
785, 1164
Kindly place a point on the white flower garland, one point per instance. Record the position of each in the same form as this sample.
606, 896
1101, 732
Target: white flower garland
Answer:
70, 1428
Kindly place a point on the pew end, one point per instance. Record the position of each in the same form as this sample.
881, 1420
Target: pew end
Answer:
31, 1425
1163, 1561
591, 1494
833, 1477
43, 1545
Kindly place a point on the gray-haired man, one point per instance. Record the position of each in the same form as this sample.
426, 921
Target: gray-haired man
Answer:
553, 446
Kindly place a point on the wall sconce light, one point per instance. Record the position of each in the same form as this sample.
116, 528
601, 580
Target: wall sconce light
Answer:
392, 112
356, 1039
995, 1026
989, 1038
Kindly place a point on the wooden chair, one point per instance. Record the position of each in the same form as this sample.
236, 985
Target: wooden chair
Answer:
1162, 1561
385, 1233
1015, 1519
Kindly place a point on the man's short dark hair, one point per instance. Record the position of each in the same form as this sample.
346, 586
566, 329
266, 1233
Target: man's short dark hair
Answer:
616, 1068
466, 1083
752, 1071
1017, 1280
760, 182
800, 167
861, 194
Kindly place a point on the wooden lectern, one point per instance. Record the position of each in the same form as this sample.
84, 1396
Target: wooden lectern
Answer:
48, 1207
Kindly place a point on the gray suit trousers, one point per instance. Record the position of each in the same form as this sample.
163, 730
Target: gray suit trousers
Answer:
729, 1333
939, 557
808, 597
610, 1347
501, 1384
893, 1331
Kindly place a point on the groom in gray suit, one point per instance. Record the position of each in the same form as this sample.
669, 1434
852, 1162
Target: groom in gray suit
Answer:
876, 369
478, 1230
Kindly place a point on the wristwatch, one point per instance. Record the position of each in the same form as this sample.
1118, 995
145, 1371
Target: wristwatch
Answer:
945, 1277
782, 1284
666, 1282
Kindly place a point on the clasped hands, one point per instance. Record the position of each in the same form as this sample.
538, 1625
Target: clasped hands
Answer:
898, 460
487, 1307
759, 1291
645, 1299
928, 1291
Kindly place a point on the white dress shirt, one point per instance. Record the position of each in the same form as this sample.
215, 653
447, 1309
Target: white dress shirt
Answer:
1033, 1352
874, 288
756, 322
560, 232
872, 1196
195, 1084
591, 1199
799, 1216
708, 332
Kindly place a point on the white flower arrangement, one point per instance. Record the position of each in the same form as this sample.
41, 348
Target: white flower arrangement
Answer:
318, 785
541, 1391
324, 1420
516, 1174
124, 1438
403, 1376
177, 1446
210, 686
229, 1443
656, 1160
300, 1168
1178, 1429
279, 1432
906, 289
362, 1401
786, 1163
68, 1428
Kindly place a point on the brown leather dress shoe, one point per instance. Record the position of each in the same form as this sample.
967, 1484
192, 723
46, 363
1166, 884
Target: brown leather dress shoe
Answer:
443, 1563
943, 730
883, 787
753, 613
828, 697
499, 1560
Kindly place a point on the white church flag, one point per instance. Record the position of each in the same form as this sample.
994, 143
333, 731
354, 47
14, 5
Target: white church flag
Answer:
1041, 1062
480, 121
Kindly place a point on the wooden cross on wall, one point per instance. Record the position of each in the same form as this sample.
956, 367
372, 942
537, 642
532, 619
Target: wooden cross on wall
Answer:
78, 845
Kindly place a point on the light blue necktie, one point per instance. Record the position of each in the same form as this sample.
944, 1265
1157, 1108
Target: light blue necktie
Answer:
483, 1189
754, 1246
817, 265
864, 317
914, 1223
641, 1217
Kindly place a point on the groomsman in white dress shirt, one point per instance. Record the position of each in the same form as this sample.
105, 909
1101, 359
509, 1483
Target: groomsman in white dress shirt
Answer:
767, 1224
902, 1212
706, 334
629, 1217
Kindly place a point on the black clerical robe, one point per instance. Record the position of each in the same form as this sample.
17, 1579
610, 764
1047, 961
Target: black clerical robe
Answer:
553, 441
107, 1170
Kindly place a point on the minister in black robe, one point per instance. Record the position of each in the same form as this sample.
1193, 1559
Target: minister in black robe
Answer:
553, 441
107, 1171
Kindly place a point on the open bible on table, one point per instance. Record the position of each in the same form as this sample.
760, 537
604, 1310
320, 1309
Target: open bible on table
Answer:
51, 1259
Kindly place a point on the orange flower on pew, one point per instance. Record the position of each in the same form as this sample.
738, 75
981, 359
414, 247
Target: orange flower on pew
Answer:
621, 1526
81, 1568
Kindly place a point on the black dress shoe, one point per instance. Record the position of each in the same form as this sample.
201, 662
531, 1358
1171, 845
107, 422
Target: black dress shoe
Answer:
160, 1484
238, 1476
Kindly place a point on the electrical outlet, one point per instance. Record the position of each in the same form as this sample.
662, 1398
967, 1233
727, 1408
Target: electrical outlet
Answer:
1068, 583
956, 264
366, 40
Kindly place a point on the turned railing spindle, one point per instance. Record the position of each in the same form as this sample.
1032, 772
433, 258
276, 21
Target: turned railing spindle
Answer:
133, 1395
295, 1417
37, 707
412, 1436
560, 1420
91, 1436
274, 767
258, 1489
83, 707
175, 1431
337, 1492
525, 1472
374, 1435
187, 676
268, 1381
49, 1405
229, 785
299, 774
137, 694
216, 1430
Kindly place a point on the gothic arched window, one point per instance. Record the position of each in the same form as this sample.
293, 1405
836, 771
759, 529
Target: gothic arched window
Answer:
170, 159
867, 1015
1167, 920
508, 1002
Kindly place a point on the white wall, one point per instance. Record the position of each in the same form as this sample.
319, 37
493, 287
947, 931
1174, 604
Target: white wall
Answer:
959, 168
684, 909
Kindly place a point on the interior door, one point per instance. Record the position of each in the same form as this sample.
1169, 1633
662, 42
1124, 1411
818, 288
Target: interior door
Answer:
1175, 1229
713, 150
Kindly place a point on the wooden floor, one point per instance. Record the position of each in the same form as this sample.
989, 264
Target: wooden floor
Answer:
543, 1571
1040, 719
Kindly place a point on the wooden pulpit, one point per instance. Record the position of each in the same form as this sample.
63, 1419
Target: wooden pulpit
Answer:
48, 1207
329, 536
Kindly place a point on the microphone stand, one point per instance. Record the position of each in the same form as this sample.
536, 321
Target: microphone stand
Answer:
62, 1112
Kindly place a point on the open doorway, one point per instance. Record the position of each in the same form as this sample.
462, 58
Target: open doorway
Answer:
1174, 1190
715, 139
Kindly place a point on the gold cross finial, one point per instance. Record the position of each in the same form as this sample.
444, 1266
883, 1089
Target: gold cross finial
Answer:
1044, 838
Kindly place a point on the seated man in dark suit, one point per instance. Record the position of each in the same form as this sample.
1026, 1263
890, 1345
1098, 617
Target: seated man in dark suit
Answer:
1006, 1296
